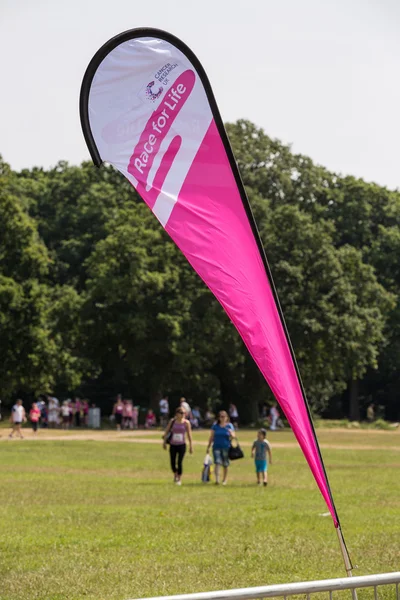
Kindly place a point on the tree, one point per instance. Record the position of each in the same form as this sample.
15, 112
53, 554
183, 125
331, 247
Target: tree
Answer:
135, 306
31, 357
358, 211
97, 291
334, 307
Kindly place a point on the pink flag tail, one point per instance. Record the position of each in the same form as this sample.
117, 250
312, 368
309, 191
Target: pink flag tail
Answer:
148, 109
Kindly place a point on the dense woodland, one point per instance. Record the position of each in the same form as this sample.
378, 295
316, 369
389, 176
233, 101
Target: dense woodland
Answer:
95, 299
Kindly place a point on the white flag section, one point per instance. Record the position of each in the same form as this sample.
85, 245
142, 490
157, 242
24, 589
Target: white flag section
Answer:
141, 111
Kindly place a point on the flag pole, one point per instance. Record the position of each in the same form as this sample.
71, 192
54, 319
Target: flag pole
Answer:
347, 562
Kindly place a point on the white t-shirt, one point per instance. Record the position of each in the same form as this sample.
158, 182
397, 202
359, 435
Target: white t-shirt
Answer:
164, 406
17, 413
65, 410
186, 408
53, 406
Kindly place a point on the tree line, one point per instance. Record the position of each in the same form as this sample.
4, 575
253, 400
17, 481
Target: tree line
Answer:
95, 299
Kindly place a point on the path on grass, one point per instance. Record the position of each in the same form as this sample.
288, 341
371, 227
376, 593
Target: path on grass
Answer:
147, 437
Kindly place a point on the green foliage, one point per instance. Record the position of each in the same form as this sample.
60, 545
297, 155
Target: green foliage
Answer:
135, 304
333, 305
36, 319
92, 289
332, 243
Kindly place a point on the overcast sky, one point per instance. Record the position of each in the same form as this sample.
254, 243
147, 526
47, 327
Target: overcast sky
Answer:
322, 75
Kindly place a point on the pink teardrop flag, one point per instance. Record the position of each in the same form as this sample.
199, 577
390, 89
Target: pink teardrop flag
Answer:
148, 109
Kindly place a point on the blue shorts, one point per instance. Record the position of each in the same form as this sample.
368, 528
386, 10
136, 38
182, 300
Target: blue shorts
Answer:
261, 466
221, 456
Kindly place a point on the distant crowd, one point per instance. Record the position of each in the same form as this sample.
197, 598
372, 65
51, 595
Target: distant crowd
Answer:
126, 415
49, 412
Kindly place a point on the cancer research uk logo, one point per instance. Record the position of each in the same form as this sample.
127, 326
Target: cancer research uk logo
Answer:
153, 95
162, 77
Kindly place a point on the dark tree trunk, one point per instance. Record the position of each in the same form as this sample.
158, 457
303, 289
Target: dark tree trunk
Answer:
256, 391
229, 392
354, 402
155, 397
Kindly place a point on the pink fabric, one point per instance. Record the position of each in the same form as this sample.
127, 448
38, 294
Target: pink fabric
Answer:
165, 145
210, 226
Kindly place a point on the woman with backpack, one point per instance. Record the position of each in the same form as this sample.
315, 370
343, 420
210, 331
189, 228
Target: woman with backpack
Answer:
178, 429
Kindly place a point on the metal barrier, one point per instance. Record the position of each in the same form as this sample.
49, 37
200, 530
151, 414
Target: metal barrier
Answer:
329, 586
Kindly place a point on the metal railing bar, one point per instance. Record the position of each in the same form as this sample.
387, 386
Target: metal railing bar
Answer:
290, 589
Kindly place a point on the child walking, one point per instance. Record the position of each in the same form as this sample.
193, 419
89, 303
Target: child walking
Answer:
259, 453
34, 416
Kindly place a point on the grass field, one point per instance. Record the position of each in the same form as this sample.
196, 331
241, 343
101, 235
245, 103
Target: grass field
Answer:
93, 516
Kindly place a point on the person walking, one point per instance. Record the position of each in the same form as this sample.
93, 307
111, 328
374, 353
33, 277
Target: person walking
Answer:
85, 412
65, 414
259, 452
135, 417
234, 415
221, 435
53, 411
34, 416
164, 411
177, 431
78, 409
186, 407
17, 418
274, 416
371, 413
128, 414
150, 420
118, 411
71, 406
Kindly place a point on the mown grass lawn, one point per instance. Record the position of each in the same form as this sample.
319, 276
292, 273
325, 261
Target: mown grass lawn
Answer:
103, 520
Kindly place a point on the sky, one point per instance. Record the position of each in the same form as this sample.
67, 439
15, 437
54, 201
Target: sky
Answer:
320, 75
